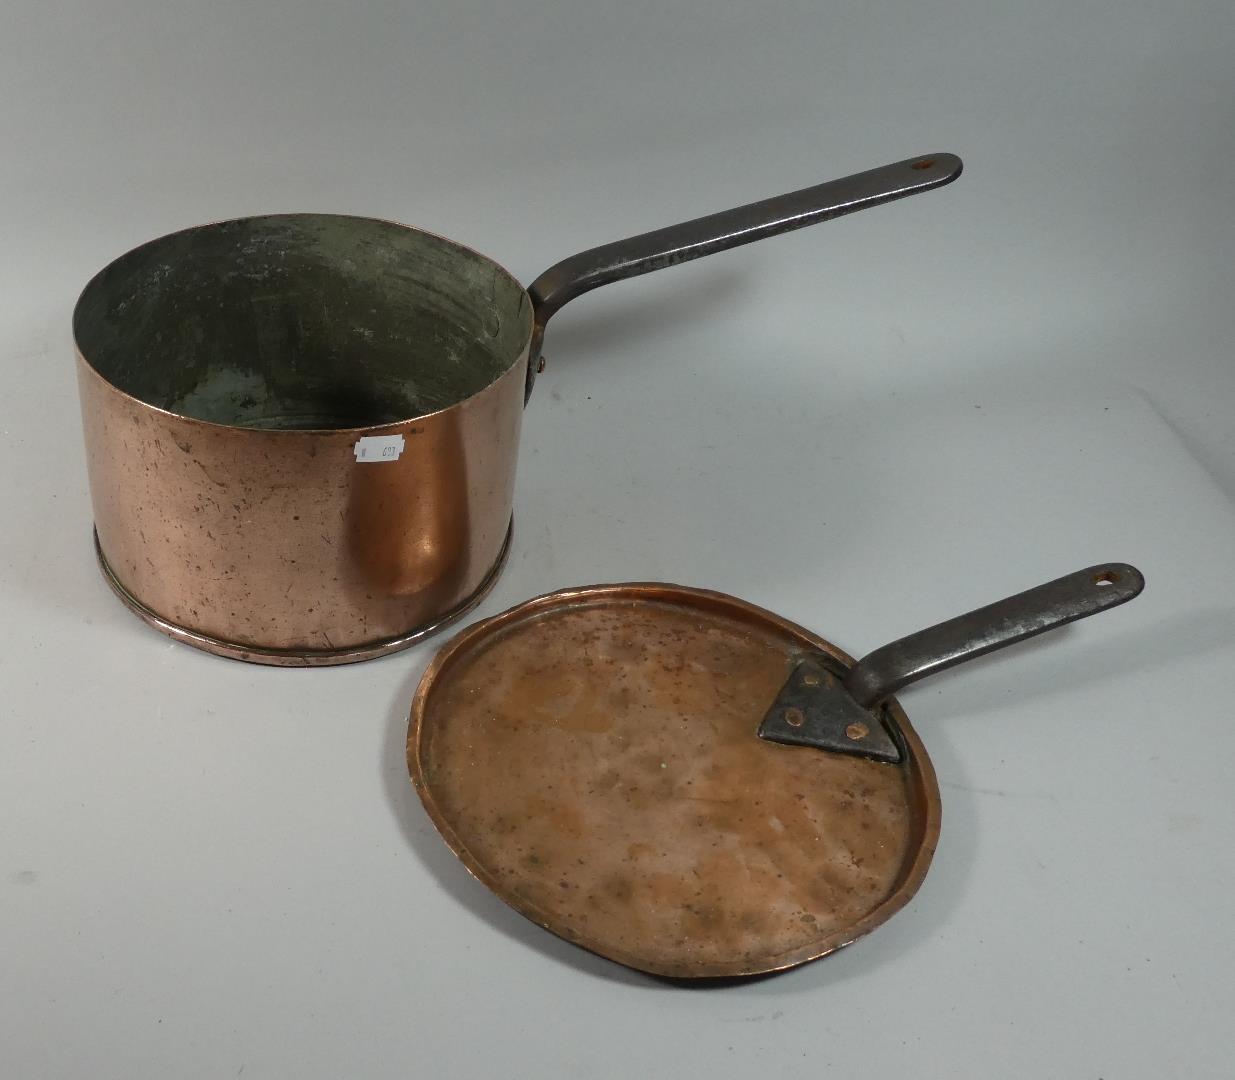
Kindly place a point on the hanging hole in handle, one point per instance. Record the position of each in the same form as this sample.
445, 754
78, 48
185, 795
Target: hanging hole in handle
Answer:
926, 163
1107, 577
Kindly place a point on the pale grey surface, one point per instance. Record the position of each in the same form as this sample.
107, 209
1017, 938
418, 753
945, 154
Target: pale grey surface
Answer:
212, 870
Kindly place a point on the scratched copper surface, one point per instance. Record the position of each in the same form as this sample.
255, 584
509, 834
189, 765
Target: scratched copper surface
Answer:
226, 375
593, 758
277, 545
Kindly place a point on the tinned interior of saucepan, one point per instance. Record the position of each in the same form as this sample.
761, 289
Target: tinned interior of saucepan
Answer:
302, 321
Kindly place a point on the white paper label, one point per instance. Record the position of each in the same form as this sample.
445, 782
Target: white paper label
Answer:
379, 448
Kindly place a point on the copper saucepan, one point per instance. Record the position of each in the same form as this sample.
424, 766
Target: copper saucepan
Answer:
302, 429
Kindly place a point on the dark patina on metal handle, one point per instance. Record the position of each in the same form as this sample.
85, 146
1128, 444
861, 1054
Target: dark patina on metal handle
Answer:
675, 244
819, 708
883, 672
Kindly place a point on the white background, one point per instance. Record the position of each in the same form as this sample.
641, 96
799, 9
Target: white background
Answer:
215, 870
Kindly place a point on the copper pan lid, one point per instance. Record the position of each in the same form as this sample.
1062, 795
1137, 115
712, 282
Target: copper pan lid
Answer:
594, 756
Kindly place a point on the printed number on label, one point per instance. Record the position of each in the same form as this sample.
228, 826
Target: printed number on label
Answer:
379, 448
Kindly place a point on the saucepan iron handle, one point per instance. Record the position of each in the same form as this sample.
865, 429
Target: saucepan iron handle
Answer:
675, 244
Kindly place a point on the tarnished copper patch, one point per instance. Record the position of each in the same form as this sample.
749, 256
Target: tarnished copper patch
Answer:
592, 757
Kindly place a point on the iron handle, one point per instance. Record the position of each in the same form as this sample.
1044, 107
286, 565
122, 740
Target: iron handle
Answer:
883, 672
675, 244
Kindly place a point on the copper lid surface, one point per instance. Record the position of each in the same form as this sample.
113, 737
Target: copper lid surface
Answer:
592, 757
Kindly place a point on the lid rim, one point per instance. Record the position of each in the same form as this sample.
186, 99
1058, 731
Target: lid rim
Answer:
924, 831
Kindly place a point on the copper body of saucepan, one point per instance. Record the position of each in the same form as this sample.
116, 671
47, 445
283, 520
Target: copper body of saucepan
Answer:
302, 429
